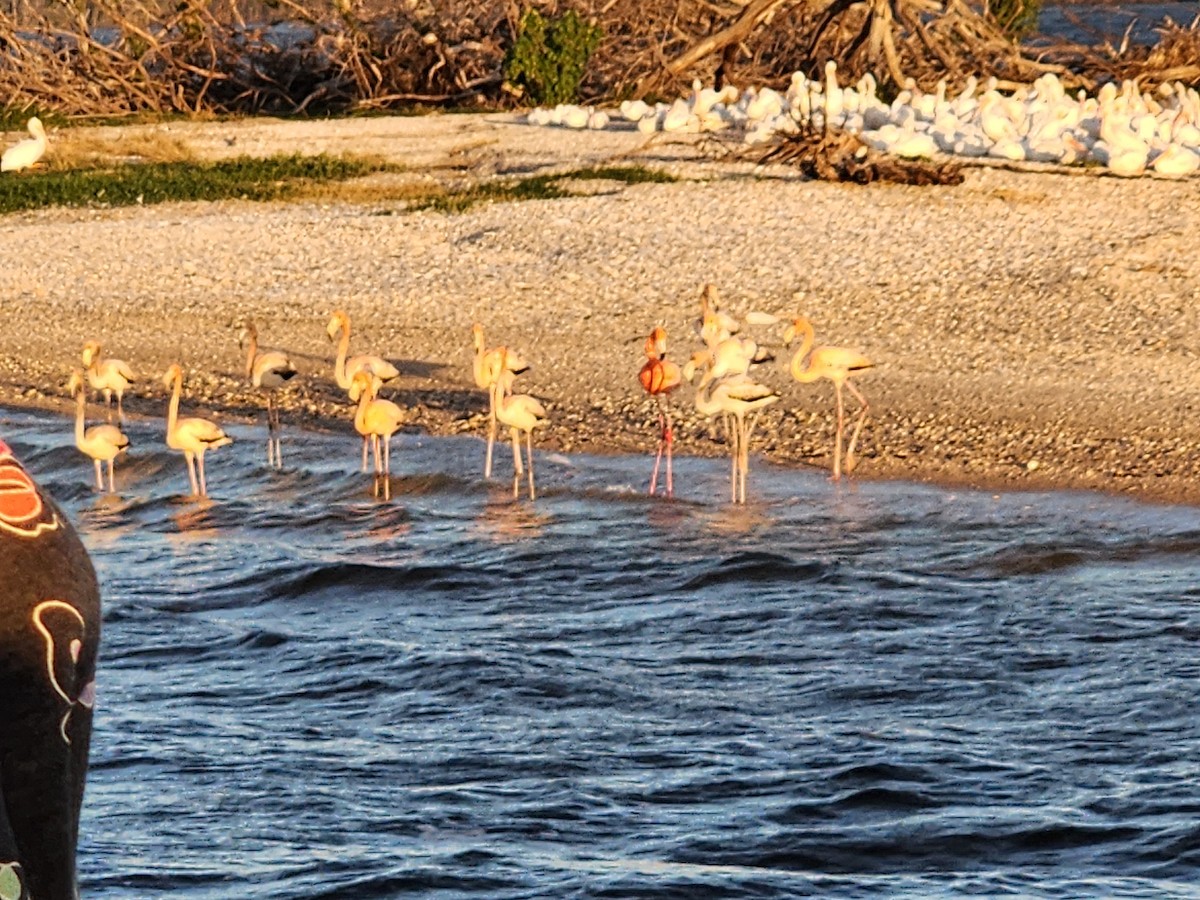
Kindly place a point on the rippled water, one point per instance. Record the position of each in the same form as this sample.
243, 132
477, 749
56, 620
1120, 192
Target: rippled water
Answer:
855, 690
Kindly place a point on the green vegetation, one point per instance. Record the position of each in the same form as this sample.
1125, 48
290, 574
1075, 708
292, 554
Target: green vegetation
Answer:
270, 178
1017, 18
548, 58
282, 178
536, 187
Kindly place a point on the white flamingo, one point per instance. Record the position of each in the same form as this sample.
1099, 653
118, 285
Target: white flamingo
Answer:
345, 369
268, 370
375, 419
486, 367
521, 413
103, 443
192, 435
109, 376
837, 364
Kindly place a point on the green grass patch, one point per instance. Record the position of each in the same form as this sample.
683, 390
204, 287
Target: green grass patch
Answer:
269, 178
536, 187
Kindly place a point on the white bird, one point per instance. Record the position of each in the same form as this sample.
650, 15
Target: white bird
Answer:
377, 420
486, 368
521, 413
103, 443
837, 364
109, 376
192, 435
738, 396
634, 110
344, 369
25, 154
1176, 161
268, 371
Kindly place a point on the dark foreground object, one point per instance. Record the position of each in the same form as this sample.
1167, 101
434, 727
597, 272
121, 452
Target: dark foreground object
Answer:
49, 634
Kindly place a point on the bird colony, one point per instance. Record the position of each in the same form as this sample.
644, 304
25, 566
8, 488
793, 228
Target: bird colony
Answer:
721, 371
1128, 131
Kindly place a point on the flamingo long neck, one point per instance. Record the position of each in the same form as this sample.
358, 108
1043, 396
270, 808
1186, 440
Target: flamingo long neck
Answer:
173, 408
251, 352
705, 405
339, 369
80, 403
801, 371
360, 413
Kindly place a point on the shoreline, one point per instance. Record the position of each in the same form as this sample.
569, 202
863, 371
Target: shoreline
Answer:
1031, 330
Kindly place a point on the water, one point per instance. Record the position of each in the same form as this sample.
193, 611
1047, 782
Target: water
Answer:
851, 691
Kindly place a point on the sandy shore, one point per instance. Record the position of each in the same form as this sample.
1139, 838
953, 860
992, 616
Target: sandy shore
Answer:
1030, 330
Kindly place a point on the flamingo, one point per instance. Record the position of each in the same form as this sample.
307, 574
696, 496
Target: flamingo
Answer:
486, 368
837, 364
100, 442
344, 369
520, 412
375, 419
738, 396
109, 376
269, 371
25, 154
659, 377
192, 435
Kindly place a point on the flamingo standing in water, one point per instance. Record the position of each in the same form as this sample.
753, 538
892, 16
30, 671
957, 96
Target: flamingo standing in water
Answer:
659, 377
109, 376
192, 435
268, 370
375, 419
738, 396
100, 442
837, 364
520, 412
486, 368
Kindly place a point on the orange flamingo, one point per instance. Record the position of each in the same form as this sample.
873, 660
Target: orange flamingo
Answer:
486, 368
659, 377
520, 412
375, 419
837, 364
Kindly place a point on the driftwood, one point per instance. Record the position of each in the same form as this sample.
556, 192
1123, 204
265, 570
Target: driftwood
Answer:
830, 154
113, 57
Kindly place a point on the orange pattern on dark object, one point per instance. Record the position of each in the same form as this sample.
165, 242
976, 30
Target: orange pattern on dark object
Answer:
22, 511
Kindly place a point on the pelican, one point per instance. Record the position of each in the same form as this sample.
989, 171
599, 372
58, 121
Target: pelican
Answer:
520, 412
191, 435
486, 368
658, 378
345, 369
837, 364
25, 154
375, 419
109, 376
268, 370
103, 443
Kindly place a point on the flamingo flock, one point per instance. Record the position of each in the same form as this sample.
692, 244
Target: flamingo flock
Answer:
1128, 131
723, 371
727, 388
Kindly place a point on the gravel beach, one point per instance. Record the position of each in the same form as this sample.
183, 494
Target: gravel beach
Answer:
1030, 329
